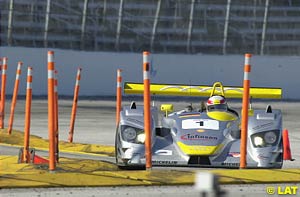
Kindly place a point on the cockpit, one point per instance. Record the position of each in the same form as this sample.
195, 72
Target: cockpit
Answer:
219, 107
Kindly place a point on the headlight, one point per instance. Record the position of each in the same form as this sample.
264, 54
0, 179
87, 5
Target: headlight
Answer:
266, 138
141, 138
258, 141
132, 134
270, 137
129, 134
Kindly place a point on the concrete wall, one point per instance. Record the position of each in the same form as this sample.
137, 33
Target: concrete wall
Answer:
99, 70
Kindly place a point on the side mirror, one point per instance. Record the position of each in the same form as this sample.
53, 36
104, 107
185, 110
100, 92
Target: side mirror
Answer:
250, 112
166, 108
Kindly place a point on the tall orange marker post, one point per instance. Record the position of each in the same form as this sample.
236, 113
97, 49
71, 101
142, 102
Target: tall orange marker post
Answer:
147, 112
119, 95
3, 90
26, 155
245, 107
74, 108
51, 123
14, 98
56, 116
1, 59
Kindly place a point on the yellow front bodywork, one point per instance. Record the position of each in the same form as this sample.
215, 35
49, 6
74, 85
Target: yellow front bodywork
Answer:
198, 150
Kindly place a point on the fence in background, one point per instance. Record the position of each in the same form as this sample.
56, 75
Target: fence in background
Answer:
164, 26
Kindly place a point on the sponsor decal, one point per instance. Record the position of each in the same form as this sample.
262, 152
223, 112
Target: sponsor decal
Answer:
231, 164
134, 120
158, 162
262, 157
263, 125
282, 190
197, 137
234, 154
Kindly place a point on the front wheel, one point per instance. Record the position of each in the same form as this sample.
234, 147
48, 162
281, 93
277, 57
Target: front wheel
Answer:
116, 147
279, 159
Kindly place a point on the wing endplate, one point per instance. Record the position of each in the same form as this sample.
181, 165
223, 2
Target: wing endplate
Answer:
203, 91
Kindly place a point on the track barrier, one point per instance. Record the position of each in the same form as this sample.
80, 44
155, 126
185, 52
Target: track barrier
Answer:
3, 92
51, 132
29, 154
74, 108
147, 112
287, 154
39, 160
119, 95
14, 98
245, 107
32, 157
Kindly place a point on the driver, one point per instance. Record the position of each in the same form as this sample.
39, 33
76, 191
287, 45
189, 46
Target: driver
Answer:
216, 102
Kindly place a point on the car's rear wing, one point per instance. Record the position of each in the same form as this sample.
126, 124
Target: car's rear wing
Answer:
203, 91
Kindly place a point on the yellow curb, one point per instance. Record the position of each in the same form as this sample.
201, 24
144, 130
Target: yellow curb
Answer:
17, 139
79, 172
61, 150
256, 176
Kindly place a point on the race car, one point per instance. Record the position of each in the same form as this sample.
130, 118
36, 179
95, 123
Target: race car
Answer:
207, 136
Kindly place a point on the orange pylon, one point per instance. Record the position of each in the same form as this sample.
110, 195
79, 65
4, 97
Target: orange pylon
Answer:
51, 132
26, 154
147, 111
287, 154
3, 90
14, 98
0, 76
119, 95
245, 107
74, 107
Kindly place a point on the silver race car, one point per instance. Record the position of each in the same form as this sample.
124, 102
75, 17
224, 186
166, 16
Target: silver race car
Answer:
208, 136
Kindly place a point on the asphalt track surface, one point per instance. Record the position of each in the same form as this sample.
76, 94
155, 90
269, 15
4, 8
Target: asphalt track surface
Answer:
95, 124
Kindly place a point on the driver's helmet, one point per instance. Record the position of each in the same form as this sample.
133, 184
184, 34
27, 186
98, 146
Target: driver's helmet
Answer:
216, 103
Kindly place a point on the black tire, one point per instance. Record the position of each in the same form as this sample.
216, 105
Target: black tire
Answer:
279, 159
116, 147
280, 156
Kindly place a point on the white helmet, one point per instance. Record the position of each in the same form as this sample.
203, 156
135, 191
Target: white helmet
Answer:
216, 102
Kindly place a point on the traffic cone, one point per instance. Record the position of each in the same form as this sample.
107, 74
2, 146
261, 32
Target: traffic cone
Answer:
39, 160
287, 155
